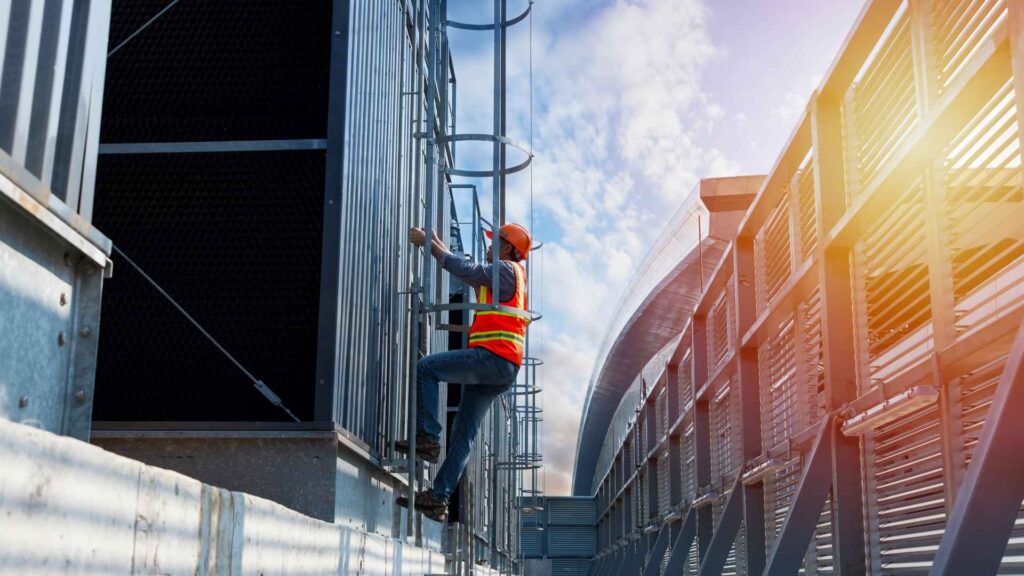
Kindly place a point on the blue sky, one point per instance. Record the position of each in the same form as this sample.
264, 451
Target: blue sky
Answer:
633, 102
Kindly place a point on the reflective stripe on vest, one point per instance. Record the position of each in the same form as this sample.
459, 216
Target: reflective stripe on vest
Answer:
502, 333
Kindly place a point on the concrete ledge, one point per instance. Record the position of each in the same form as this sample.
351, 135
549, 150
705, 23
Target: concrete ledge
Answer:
67, 507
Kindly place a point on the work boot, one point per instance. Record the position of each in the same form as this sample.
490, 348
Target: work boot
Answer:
426, 448
429, 505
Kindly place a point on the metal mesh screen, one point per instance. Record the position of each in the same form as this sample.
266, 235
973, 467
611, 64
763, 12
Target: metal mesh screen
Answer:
225, 70
236, 239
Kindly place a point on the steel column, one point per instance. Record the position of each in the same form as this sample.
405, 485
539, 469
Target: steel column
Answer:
837, 329
750, 402
328, 346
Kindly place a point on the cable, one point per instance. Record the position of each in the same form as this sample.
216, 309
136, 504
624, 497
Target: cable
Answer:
141, 28
260, 386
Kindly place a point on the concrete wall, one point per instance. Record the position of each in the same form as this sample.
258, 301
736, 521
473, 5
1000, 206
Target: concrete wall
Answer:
67, 507
294, 469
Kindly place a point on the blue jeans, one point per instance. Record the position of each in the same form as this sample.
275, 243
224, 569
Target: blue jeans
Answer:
484, 376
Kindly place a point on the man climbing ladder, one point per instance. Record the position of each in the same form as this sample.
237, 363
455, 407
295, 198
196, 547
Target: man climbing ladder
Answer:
486, 369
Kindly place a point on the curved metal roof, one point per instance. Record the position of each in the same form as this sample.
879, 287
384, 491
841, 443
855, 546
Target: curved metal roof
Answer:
654, 307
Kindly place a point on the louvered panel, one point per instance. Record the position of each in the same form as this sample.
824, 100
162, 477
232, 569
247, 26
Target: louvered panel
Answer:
568, 541
884, 102
660, 415
891, 263
772, 256
813, 357
567, 567
638, 453
780, 392
807, 210
959, 27
642, 441
642, 500
819, 555
720, 328
686, 381
570, 511
530, 543
664, 497
733, 565
692, 564
627, 458
908, 500
975, 393
986, 212
689, 471
725, 428
779, 489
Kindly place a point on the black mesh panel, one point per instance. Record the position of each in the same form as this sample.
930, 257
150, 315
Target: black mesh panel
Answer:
218, 70
236, 239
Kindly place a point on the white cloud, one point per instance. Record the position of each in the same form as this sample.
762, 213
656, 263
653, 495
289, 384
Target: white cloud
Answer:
620, 121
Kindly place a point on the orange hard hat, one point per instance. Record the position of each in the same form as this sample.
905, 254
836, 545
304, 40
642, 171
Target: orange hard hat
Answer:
516, 235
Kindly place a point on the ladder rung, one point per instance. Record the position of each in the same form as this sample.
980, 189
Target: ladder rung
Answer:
454, 328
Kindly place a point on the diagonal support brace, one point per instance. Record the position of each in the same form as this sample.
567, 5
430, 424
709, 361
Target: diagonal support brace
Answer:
681, 547
725, 533
788, 552
989, 499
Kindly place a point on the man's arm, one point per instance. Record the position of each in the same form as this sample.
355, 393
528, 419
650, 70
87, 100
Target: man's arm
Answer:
472, 273
437, 248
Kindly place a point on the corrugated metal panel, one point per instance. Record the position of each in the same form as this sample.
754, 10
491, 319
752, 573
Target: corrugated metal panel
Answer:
571, 541
570, 511
562, 567
530, 543
52, 57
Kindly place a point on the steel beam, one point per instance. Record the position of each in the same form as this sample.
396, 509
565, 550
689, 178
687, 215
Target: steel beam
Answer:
212, 146
725, 533
788, 551
681, 546
988, 502
328, 344
838, 330
750, 401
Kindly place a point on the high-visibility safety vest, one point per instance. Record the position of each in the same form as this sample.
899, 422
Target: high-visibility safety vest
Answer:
500, 332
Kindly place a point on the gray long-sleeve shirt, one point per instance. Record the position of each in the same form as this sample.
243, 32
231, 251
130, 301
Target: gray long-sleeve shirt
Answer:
476, 274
